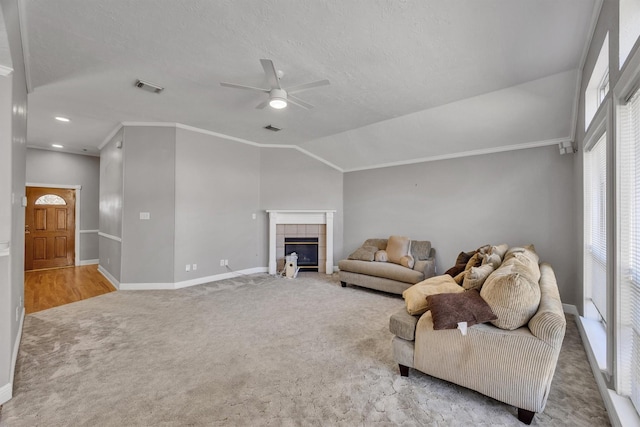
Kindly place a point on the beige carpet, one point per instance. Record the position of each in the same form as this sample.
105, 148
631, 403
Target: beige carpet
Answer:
252, 351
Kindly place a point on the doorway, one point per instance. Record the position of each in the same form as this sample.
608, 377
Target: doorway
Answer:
50, 228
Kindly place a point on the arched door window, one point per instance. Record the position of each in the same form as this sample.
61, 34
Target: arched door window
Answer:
50, 199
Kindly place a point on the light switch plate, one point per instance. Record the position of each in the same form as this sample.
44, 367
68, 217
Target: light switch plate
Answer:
145, 215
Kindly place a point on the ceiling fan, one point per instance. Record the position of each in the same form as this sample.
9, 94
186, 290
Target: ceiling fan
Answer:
279, 97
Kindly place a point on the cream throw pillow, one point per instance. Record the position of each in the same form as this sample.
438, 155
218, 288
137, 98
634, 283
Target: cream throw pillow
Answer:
474, 277
493, 260
397, 247
513, 297
415, 297
381, 256
500, 250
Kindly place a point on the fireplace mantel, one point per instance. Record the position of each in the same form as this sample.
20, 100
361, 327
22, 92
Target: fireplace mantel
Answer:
300, 217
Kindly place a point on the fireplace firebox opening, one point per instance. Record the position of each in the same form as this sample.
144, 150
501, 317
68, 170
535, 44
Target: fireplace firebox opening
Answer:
307, 250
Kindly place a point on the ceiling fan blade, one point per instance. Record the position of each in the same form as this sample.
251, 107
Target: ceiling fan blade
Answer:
237, 86
307, 86
262, 105
299, 102
272, 74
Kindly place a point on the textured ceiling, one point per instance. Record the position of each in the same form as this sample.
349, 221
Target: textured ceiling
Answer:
398, 69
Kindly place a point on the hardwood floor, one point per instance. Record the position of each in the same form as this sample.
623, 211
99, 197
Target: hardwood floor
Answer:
45, 289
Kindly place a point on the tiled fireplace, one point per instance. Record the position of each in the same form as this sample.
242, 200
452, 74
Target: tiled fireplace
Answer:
301, 223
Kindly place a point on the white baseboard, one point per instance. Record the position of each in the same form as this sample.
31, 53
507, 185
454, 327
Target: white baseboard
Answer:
191, 282
146, 286
6, 391
89, 261
109, 277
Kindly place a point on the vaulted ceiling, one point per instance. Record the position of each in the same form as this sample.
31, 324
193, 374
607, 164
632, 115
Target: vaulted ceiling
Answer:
410, 80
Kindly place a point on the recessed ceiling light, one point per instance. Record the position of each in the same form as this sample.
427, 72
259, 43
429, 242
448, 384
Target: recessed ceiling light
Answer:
57, 146
62, 119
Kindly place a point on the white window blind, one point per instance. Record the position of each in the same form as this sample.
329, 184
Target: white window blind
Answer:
629, 275
596, 225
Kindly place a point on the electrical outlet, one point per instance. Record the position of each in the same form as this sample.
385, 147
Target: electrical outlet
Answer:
195, 267
221, 263
187, 267
226, 262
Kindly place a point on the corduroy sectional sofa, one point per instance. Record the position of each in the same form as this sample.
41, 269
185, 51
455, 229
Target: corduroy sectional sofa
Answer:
390, 265
513, 358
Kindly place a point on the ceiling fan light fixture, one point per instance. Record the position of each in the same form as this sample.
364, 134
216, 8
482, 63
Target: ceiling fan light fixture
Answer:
278, 103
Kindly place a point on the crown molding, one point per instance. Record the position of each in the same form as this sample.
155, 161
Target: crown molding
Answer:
470, 153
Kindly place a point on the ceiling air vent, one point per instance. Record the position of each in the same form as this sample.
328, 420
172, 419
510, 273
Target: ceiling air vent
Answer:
148, 86
272, 128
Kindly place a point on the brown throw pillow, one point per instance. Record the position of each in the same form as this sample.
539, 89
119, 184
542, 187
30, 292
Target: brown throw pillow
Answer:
447, 310
461, 263
364, 253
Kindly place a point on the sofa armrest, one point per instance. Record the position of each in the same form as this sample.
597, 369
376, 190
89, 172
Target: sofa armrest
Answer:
549, 322
427, 266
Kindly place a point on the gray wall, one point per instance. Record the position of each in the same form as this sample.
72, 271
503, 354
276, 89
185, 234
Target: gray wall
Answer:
292, 180
516, 197
51, 167
149, 186
217, 191
110, 214
13, 143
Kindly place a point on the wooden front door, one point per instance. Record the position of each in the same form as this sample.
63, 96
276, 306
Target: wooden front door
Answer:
50, 235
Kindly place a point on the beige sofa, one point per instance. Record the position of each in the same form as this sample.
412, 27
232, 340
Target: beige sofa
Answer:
513, 366
361, 269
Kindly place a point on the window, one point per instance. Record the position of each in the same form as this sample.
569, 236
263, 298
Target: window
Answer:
629, 27
628, 276
603, 88
50, 199
596, 230
598, 85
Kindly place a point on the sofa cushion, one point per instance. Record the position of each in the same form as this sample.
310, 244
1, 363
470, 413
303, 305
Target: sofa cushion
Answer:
381, 244
364, 253
447, 310
385, 270
403, 325
512, 296
475, 277
420, 249
397, 247
415, 297
381, 256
